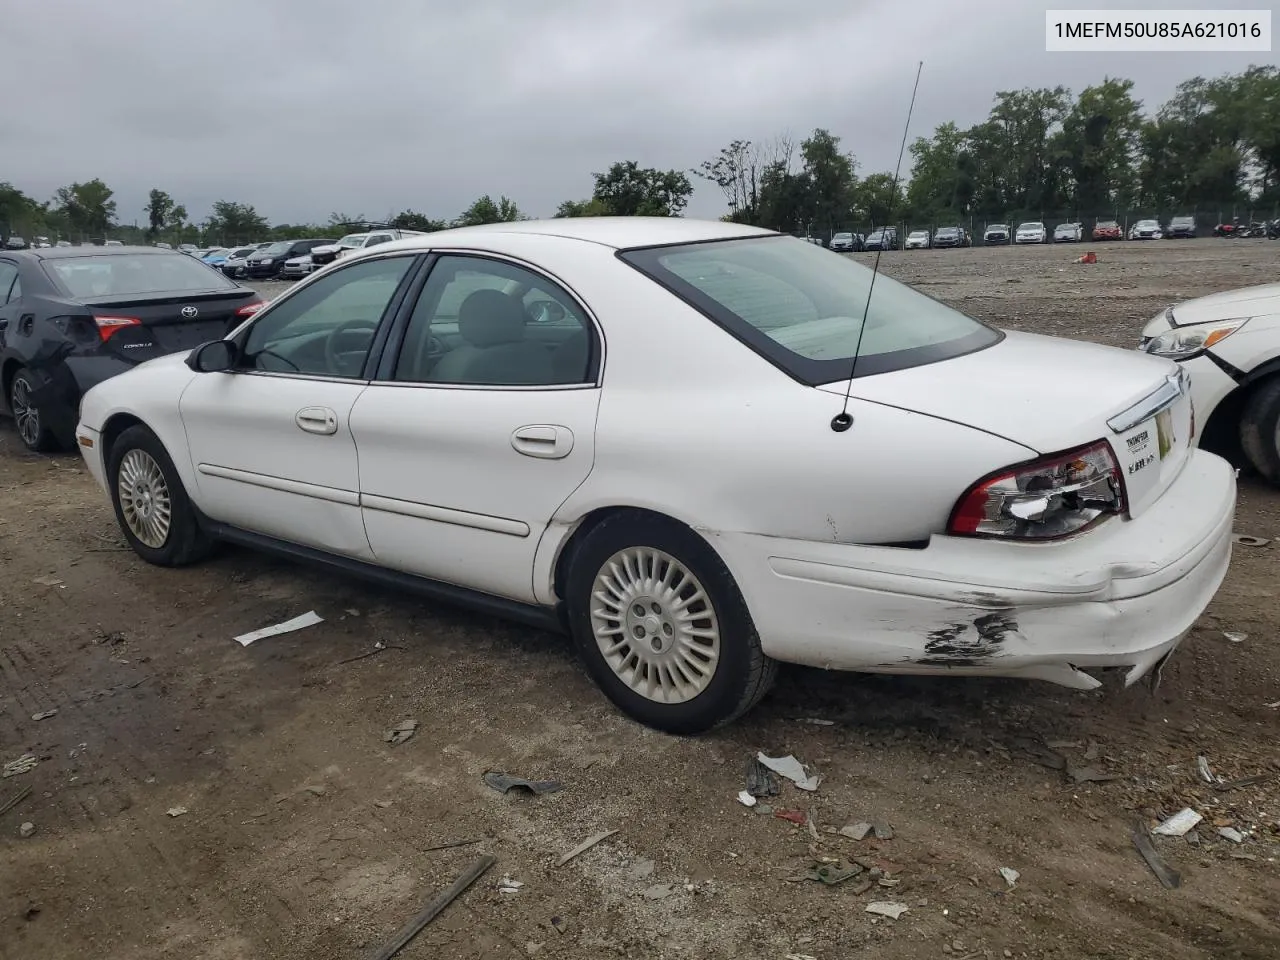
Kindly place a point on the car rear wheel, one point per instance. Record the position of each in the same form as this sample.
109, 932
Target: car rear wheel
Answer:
1260, 429
32, 429
150, 502
662, 627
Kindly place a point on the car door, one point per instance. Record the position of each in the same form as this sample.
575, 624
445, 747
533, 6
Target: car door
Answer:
270, 441
479, 425
8, 306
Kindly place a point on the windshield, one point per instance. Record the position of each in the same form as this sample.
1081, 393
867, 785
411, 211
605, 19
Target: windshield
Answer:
1031, 226
802, 308
947, 231
843, 236
353, 240
279, 246
919, 234
132, 274
242, 252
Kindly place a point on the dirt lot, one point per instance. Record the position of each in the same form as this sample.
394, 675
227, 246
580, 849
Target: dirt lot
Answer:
307, 836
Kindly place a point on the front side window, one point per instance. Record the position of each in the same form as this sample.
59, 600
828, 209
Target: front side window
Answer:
803, 310
327, 327
490, 323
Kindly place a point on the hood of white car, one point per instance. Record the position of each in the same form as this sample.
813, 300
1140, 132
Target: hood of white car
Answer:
1046, 393
1229, 305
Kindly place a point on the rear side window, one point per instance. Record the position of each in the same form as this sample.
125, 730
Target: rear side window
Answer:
8, 279
133, 274
802, 308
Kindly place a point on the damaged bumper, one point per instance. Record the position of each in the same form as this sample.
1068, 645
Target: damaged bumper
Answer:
1122, 595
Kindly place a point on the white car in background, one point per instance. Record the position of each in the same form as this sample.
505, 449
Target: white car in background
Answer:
653, 434
1031, 233
1146, 230
1068, 233
917, 240
1230, 344
295, 268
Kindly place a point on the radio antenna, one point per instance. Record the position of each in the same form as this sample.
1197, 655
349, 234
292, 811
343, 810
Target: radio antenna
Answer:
842, 421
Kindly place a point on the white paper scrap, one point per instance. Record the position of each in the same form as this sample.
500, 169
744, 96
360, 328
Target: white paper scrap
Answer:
297, 623
1179, 823
792, 769
746, 799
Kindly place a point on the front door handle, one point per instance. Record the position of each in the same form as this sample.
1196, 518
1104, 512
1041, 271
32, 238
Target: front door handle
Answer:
543, 440
320, 420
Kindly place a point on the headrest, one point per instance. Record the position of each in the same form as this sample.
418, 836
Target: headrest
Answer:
489, 318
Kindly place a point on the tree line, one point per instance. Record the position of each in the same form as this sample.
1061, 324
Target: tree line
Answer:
1214, 144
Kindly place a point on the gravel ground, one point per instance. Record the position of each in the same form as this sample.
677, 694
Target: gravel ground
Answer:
307, 836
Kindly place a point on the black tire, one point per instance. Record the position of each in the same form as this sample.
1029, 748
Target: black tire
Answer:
184, 542
1258, 425
34, 434
742, 675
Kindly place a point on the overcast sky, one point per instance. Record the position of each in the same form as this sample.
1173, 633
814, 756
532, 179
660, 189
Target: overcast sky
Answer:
304, 107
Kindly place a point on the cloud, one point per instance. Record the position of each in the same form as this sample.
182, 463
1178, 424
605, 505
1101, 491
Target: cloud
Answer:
304, 108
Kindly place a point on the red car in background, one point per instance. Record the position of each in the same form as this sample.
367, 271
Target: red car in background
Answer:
1107, 230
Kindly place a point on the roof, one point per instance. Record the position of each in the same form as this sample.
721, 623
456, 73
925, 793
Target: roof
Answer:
63, 253
617, 232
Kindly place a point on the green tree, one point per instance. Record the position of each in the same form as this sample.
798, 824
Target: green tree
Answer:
18, 212
941, 174
831, 178
1099, 145
736, 171
159, 208
878, 200
630, 190
88, 207
488, 210
231, 222
583, 208
411, 220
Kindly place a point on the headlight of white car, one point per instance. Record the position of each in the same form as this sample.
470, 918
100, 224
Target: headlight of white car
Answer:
1183, 343
1043, 500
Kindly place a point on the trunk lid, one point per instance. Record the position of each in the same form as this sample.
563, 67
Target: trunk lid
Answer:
1051, 395
170, 323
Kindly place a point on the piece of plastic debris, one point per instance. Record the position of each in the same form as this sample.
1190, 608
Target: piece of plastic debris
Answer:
761, 781
1202, 765
48, 581
560, 925
584, 846
13, 801
435, 907
44, 714
658, 891
792, 769
1010, 875
1090, 775
26, 829
746, 799
855, 831
1179, 823
831, 873
799, 956
503, 784
1089, 257
1168, 877
1273, 706
763, 810
887, 908
1232, 834
882, 831
382, 804
815, 721
309, 619
1249, 541
641, 869
793, 816
1236, 637
401, 732
507, 885
176, 811
24, 764
1193, 837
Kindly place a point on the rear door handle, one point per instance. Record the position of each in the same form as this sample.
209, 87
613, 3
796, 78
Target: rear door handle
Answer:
320, 420
543, 440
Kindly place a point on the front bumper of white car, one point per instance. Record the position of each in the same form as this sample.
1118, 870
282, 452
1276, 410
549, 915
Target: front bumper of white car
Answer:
1122, 595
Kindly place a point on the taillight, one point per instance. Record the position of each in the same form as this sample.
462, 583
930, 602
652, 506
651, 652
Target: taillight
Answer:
1055, 496
107, 326
249, 309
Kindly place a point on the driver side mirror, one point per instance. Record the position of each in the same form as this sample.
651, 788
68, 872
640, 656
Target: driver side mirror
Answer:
217, 356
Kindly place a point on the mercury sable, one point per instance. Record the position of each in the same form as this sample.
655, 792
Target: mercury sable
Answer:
699, 448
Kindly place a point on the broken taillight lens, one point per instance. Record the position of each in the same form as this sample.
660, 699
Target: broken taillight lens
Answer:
1055, 496
249, 309
107, 326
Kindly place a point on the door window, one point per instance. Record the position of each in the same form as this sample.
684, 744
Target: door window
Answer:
491, 323
326, 329
8, 279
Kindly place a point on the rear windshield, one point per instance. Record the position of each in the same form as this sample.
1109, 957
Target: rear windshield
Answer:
802, 308
134, 273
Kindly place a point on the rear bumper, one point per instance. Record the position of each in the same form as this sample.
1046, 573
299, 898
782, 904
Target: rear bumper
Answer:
1122, 595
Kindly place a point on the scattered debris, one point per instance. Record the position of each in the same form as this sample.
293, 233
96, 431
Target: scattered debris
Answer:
382, 804
746, 799
887, 908
1179, 823
435, 907
798, 956
13, 801
308, 619
507, 885
1247, 541
792, 769
811, 824
26, 830
1010, 876
1090, 775
1091, 753
1232, 834
504, 784
24, 764
560, 925
1202, 765
641, 869
833, 872
1236, 637
1193, 837
48, 581
584, 846
378, 648
792, 816
658, 891
45, 714
764, 810
1167, 876
1248, 781
816, 722
761, 781
176, 811
314, 789
1089, 257
882, 831
448, 846
856, 831
401, 733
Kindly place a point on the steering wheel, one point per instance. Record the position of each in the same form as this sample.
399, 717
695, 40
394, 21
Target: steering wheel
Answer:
335, 360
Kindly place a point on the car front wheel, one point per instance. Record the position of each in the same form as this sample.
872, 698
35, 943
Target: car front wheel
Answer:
662, 626
150, 502
1260, 429
32, 430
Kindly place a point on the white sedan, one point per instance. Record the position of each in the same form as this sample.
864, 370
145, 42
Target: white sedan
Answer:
1031, 233
1229, 343
696, 447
